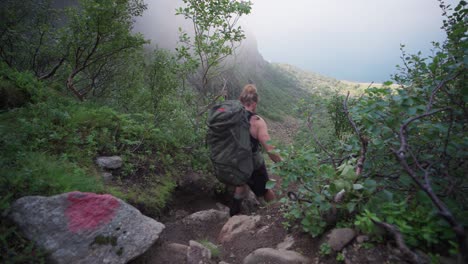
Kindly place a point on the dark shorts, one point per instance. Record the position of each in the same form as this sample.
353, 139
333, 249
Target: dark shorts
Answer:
258, 181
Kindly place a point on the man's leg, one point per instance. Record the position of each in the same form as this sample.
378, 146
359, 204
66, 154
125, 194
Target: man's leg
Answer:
258, 183
269, 195
239, 194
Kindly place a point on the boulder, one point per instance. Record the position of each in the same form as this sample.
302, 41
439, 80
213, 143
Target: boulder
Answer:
112, 162
275, 256
81, 227
340, 237
198, 254
236, 225
205, 217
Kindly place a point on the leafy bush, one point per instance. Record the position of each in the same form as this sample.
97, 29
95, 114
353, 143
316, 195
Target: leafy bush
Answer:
413, 140
313, 204
19, 88
418, 222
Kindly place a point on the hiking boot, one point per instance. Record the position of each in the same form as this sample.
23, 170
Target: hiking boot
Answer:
235, 206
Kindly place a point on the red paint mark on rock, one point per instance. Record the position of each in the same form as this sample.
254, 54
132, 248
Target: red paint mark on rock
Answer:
87, 211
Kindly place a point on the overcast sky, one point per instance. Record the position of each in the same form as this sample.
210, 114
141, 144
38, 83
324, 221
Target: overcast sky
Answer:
357, 40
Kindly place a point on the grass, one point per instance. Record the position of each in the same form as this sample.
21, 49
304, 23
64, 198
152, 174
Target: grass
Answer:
149, 196
215, 251
37, 173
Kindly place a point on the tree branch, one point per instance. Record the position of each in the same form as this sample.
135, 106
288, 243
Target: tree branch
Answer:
395, 232
438, 87
53, 71
425, 183
213, 101
362, 139
403, 129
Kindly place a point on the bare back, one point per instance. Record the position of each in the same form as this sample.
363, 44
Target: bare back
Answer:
259, 131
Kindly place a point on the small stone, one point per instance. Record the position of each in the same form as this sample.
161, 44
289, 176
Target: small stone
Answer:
287, 243
177, 248
362, 238
270, 255
197, 253
107, 177
112, 162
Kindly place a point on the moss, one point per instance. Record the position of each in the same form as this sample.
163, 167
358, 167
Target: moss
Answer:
105, 240
150, 198
119, 252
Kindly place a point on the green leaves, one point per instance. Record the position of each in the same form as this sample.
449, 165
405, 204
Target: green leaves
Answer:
216, 35
97, 35
270, 184
416, 221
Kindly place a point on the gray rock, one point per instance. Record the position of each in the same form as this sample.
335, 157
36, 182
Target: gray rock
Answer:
107, 177
180, 214
112, 162
362, 238
177, 248
198, 254
222, 207
447, 260
287, 243
275, 256
250, 203
206, 216
85, 227
236, 225
340, 237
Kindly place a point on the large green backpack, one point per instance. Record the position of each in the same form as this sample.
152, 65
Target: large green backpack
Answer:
229, 141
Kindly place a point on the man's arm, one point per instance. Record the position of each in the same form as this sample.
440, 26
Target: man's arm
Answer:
264, 139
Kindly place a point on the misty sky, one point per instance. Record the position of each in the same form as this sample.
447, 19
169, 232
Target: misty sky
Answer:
357, 40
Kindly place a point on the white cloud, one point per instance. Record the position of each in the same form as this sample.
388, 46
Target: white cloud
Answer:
333, 37
301, 31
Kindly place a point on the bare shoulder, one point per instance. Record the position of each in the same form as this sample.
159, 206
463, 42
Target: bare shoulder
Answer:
257, 120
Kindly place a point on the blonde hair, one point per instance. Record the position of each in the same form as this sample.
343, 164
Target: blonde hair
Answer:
249, 95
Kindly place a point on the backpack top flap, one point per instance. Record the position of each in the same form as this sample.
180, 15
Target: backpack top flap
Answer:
226, 114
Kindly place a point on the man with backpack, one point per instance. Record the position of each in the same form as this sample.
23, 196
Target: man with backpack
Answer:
235, 137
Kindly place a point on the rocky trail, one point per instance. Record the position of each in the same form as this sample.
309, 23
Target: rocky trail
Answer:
199, 230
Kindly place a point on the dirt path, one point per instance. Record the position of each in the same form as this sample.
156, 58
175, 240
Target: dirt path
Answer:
235, 251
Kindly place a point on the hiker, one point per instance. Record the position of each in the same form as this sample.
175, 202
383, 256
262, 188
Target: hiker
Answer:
258, 136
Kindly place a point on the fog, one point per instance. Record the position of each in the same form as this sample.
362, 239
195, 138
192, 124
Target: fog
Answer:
355, 40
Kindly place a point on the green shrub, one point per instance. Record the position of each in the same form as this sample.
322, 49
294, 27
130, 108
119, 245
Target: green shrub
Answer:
417, 221
19, 88
34, 173
150, 195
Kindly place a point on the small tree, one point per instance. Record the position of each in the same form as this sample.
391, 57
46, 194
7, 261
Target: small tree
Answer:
216, 36
97, 33
28, 37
